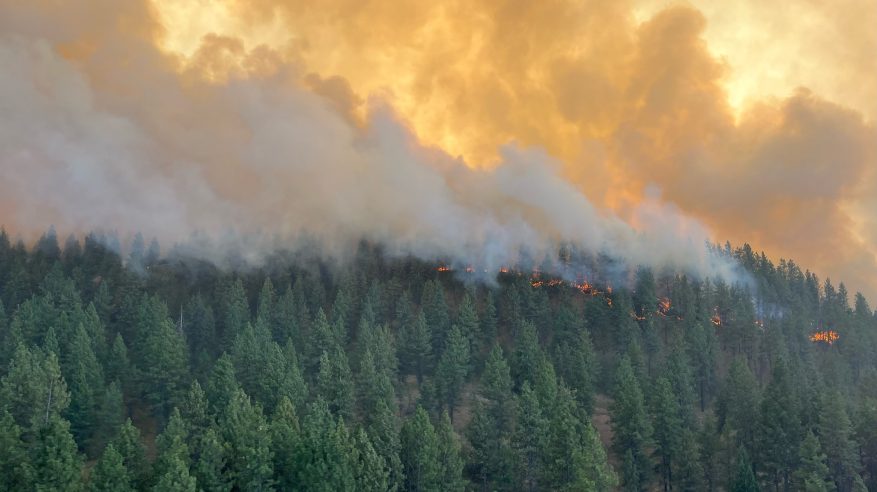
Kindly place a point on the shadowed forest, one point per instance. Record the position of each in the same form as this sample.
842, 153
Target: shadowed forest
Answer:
162, 372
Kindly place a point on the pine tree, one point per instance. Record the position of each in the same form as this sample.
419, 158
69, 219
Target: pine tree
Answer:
812, 473
630, 425
738, 404
286, 444
452, 369
415, 350
384, 436
667, 425
110, 474
128, 443
743, 479
118, 366
488, 320
835, 430
234, 312
528, 355
370, 470
222, 385
249, 453
176, 477
420, 454
335, 383
54, 457
164, 370
86, 383
373, 386
209, 465
529, 437
779, 428
469, 324
449, 459
33, 390
14, 468
491, 425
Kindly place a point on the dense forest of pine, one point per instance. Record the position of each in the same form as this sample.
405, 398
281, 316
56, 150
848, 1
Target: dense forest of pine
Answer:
165, 373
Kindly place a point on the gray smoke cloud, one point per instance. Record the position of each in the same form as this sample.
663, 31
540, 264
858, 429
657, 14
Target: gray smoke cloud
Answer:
123, 141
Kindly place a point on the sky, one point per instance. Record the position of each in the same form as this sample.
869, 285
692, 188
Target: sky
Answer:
469, 129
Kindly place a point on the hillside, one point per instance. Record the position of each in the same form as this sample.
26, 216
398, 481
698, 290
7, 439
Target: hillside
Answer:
154, 372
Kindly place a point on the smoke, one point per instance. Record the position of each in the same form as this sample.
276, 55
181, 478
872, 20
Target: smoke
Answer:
485, 139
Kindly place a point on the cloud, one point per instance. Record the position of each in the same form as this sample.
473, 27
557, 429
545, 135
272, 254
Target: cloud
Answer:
472, 130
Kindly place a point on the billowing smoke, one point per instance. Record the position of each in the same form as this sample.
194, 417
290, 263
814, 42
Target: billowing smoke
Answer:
473, 139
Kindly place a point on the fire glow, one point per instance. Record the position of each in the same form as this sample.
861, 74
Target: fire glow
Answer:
825, 336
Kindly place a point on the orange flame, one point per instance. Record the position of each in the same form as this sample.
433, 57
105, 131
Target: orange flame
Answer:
826, 336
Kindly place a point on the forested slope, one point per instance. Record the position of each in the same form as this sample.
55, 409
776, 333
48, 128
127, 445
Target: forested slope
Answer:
167, 373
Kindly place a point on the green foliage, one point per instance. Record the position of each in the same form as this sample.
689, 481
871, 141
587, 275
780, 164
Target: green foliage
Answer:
630, 425
87, 340
110, 474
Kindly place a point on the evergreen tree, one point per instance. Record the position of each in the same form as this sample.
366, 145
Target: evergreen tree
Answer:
779, 429
14, 468
449, 459
86, 383
529, 438
744, 478
164, 370
812, 473
128, 443
222, 385
667, 430
335, 383
54, 458
33, 390
420, 454
835, 430
452, 369
469, 324
738, 404
110, 474
384, 436
286, 444
415, 350
371, 472
209, 465
491, 425
249, 454
630, 425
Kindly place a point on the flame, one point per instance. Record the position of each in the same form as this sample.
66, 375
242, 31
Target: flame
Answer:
664, 306
826, 336
716, 319
443, 268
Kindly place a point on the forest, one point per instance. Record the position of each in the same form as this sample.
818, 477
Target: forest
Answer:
159, 371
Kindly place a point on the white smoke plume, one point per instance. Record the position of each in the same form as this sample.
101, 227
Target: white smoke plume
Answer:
124, 141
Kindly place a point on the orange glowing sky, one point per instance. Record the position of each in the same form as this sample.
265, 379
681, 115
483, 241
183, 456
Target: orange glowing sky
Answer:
755, 118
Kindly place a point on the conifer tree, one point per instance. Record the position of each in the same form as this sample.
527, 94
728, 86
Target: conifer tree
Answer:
452, 369
667, 425
14, 468
529, 438
415, 349
54, 458
249, 454
420, 454
630, 425
335, 383
743, 479
128, 443
812, 473
110, 474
